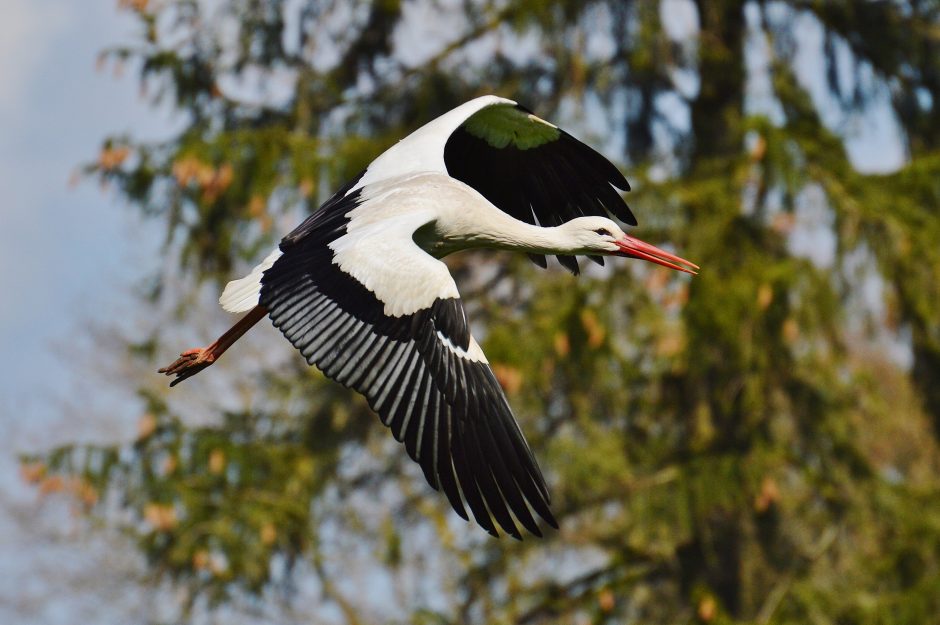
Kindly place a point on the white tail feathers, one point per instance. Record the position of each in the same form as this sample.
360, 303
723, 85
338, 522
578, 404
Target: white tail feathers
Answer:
242, 295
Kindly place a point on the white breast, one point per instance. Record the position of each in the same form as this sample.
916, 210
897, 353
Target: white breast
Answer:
379, 250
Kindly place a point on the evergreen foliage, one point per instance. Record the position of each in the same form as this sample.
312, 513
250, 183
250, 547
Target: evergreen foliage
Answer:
733, 448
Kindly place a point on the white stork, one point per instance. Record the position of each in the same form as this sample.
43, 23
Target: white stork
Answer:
359, 288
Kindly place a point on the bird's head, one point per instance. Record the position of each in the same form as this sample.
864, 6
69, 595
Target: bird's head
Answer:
599, 235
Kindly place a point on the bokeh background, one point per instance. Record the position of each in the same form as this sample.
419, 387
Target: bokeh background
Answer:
758, 444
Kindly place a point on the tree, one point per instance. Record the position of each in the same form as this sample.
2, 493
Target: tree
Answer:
733, 448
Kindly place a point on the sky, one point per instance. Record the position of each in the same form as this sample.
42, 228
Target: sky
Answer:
66, 247
70, 255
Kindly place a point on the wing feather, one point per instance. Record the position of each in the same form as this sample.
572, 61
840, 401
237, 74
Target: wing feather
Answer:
418, 371
533, 170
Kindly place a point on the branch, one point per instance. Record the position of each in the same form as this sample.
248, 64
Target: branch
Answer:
580, 587
780, 590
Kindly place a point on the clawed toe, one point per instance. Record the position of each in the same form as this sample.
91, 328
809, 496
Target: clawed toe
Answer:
185, 360
190, 362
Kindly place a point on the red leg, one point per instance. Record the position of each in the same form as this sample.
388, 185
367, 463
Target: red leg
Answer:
192, 361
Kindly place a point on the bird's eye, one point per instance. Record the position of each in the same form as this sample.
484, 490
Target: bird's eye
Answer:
603, 232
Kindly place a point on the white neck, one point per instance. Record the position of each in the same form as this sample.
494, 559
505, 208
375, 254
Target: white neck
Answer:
480, 224
506, 233
462, 218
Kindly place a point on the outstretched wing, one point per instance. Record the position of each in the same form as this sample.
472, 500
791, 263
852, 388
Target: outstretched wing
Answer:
387, 322
533, 170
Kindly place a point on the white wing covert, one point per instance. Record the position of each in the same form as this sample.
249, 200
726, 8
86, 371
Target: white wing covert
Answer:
415, 362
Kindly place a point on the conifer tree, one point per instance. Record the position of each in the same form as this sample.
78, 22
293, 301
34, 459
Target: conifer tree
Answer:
733, 448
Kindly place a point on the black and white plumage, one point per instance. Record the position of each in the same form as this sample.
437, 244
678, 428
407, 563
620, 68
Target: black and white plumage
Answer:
359, 289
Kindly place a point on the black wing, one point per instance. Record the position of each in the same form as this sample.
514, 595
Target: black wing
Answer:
534, 171
414, 370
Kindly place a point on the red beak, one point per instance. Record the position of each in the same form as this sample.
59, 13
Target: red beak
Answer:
634, 248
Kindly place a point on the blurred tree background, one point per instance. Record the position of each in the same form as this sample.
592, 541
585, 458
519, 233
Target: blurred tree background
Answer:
754, 445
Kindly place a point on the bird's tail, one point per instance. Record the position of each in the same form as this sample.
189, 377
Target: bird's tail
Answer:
242, 295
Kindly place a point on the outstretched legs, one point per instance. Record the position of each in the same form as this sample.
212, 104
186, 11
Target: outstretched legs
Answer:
192, 361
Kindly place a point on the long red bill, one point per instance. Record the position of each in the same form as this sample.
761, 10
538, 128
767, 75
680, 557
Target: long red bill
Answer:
635, 248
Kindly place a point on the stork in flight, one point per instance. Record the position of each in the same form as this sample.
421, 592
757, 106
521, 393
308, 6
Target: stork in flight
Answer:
359, 289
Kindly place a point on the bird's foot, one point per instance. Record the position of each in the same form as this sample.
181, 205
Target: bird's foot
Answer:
190, 362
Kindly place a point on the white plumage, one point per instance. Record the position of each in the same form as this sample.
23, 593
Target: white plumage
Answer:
359, 288
242, 295
423, 150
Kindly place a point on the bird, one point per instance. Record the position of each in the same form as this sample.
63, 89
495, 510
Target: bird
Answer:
360, 290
